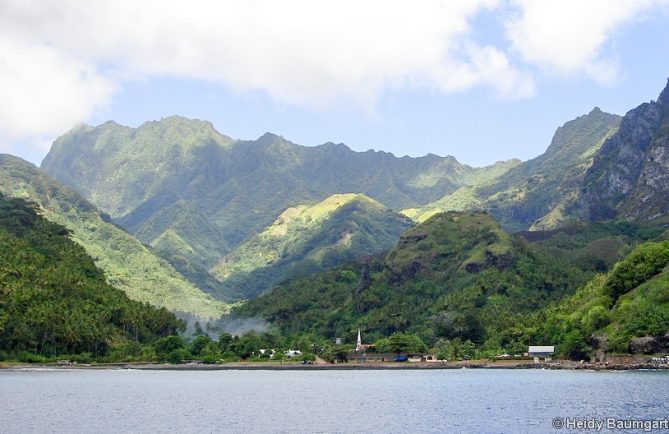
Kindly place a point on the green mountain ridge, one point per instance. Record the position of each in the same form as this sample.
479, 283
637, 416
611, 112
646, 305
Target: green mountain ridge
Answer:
455, 276
54, 300
160, 178
458, 277
541, 193
309, 238
128, 265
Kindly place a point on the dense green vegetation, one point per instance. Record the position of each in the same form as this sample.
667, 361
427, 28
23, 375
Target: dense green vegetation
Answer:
594, 246
456, 283
128, 265
307, 239
55, 301
194, 194
630, 301
464, 287
455, 278
251, 346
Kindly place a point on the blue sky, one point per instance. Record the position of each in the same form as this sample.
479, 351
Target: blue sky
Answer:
482, 80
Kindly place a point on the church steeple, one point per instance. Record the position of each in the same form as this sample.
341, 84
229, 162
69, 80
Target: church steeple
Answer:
358, 343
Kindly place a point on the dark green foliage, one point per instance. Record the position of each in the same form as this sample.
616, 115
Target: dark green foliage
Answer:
225, 342
54, 300
164, 346
632, 300
178, 356
199, 344
401, 343
474, 283
127, 264
644, 262
594, 246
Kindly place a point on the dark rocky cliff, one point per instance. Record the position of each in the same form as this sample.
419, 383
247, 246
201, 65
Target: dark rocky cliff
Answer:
630, 174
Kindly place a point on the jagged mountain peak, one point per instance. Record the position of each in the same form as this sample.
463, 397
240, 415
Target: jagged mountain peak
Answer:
567, 136
335, 147
663, 99
178, 120
183, 131
630, 174
269, 137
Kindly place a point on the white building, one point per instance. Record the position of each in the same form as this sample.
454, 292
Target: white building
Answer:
293, 353
537, 351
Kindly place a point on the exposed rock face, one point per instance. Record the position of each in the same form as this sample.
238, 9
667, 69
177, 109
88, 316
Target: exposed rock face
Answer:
630, 174
541, 193
649, 345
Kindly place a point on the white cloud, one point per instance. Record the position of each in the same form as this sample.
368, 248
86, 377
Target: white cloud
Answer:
64, 57
44, 89
61, 61
567, 36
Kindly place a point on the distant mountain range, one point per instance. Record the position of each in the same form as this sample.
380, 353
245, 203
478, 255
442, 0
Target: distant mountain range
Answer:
195, 195
206, 202
163, 169
323, 241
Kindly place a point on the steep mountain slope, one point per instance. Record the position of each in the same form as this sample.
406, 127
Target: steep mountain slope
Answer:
457, 276
118, 167
158, 179
54, 300
540, 193
128, 265
626, 310
630, 174
309, 238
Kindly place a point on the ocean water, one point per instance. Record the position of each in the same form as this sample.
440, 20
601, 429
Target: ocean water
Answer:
383, 401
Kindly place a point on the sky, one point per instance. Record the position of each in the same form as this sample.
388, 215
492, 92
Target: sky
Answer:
481, 80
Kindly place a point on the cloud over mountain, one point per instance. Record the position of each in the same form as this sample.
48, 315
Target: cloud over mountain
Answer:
59, 63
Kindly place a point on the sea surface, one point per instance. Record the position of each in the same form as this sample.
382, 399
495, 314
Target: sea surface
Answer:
383, 401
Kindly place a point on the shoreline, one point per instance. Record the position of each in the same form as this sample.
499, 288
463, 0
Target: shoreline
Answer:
242, 366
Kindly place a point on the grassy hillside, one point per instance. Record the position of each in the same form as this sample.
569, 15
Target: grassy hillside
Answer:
541, 193
195, 194
54, 300
308, 238
455, 277
118, 167
128, 265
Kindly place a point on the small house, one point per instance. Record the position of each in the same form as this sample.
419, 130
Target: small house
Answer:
538, 351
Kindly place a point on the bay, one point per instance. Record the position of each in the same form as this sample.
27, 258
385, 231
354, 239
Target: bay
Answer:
383, 401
